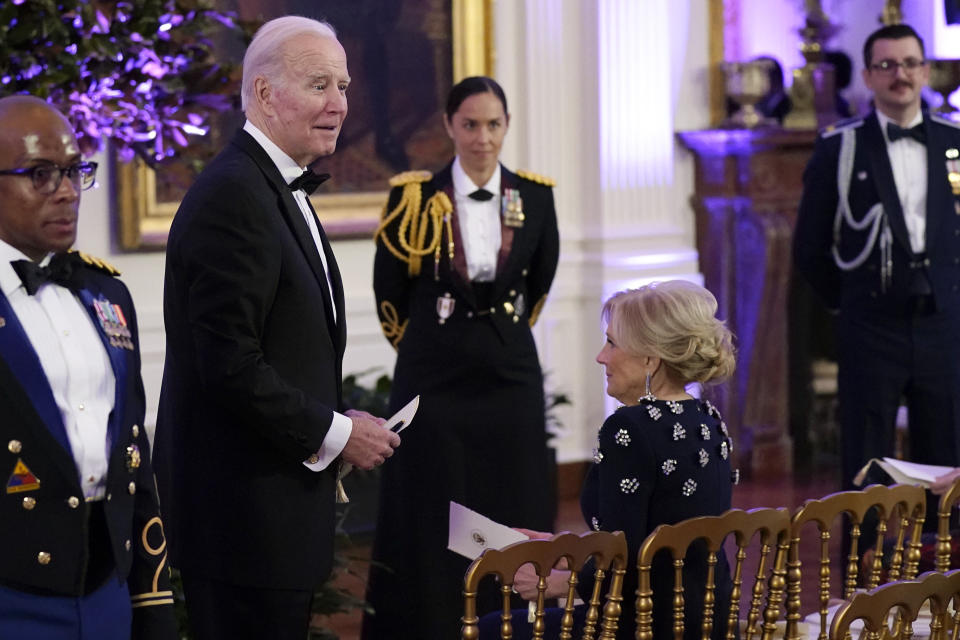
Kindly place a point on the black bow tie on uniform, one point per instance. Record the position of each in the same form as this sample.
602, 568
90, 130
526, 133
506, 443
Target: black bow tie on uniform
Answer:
481, 195
309, 181
895, 132
61, 270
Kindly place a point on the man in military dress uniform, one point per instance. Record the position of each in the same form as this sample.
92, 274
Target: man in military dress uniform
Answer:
878, 237
82, 551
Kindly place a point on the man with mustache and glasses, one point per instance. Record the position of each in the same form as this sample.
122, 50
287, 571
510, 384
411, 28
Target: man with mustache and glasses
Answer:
82, 546
878, 237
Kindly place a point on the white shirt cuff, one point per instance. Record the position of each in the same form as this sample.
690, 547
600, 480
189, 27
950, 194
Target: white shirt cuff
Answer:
340, 429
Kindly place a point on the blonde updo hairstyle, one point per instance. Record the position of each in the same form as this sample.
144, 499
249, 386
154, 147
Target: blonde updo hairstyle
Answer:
676, 322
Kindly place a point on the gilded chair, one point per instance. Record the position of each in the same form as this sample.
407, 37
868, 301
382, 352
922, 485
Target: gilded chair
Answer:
890, 610
609, 553
772, 526
907, 503
944, 548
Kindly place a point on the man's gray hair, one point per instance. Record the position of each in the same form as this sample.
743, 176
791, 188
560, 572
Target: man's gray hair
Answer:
264, 56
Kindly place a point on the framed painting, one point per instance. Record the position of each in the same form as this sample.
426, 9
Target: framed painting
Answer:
403, 57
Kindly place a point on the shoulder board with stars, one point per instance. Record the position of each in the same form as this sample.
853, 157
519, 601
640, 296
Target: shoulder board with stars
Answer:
536, 177
97, 263
839, 127
408, 177
936, 117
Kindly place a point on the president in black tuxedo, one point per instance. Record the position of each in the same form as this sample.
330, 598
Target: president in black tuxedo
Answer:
878, 236
81, 548
249, 435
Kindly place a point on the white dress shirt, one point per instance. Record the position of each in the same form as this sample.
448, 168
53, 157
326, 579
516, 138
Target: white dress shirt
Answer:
908, 159
479, 223
341, 427
75, 363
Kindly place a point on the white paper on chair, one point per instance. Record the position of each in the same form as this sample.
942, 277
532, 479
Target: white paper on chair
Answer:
471, 534
904, 472
921, 626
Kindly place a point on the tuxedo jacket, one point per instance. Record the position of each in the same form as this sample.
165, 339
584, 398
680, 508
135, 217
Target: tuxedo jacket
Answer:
251, 379
43, 542
410, 289
860, 290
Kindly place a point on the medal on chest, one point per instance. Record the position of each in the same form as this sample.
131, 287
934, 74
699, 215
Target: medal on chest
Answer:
511, 207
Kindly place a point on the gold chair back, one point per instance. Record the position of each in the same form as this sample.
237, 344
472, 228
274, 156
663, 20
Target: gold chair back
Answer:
609, 551
901, 603
906, 501
944, 509
773, 527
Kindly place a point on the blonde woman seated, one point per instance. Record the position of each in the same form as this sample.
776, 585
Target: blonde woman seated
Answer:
663, 457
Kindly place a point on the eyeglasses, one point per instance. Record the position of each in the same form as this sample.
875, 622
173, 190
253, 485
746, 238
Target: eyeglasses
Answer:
889, 67
47, 177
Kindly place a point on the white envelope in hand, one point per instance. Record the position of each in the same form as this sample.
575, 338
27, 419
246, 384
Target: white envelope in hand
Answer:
402, 419
397, 422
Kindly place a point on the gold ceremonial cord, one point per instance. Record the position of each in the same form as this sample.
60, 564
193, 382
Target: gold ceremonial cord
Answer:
392, 327
414, 225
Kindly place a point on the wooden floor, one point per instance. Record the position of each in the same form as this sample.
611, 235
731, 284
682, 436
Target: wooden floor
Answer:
788, 492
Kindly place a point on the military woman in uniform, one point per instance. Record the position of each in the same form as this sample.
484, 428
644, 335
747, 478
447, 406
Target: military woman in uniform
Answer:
464, 261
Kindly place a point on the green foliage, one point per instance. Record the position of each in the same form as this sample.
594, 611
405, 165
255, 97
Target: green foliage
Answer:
141, 73
374, 400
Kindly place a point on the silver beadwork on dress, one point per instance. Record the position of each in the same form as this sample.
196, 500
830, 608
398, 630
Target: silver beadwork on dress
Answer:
704, 457
595, 523
629, 485
712, 410
723, 428
654, 411
689, 487
679, 433
735, 476
704, 431
622, 437
724, 450
675, 406
669, 466
597, 456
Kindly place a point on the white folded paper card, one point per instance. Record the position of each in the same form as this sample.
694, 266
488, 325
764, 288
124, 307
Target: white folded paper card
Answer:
904, 472
397, 422
402, 419
471, 534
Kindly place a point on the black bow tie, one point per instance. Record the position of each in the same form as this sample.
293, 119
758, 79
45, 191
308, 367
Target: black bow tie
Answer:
62, 270
895, 132
482, 195
309, 181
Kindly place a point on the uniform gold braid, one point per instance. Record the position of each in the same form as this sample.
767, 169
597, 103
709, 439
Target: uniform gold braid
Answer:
537, 308
414, 225
393, 329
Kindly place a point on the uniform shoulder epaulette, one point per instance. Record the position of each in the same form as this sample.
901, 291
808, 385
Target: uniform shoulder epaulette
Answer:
536, 177
839, 127
408, 177
936, 117
97, 263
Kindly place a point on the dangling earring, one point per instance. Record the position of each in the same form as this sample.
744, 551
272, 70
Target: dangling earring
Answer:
648, 393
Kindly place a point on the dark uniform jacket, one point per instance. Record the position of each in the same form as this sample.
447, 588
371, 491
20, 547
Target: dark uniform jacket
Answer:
251, 379
861, 290
466, 348
409, 286
43, 542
